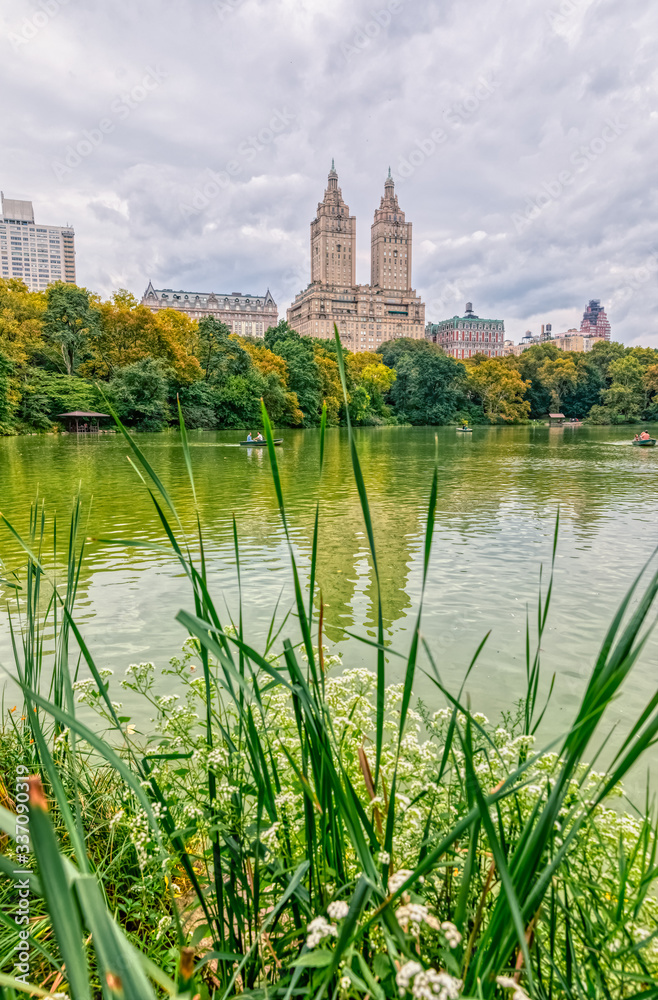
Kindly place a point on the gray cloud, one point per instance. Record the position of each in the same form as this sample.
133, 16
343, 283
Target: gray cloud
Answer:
173, 99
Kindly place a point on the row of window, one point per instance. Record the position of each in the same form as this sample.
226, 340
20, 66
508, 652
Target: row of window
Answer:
475, 336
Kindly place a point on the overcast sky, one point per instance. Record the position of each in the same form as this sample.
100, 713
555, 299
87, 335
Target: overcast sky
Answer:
189, 143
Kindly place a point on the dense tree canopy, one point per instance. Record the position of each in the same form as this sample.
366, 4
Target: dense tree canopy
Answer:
139, 394
6, 367
69, 323
501, 391
429, 387
559, 375
65, 349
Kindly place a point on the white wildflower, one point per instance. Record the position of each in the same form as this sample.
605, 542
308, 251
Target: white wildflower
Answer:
406, 974
139, 674
432, 985
318, 929
345, 983
427, 984
193, 812
116, 818
397, 879
511, 984
165, 701
163, 924
87, 692
411, 916
269, 837
453, 937
338, 909
384, 858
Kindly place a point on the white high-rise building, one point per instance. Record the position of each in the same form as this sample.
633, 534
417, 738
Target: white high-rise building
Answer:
37, 254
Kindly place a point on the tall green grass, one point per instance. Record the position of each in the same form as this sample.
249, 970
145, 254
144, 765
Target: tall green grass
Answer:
501, 868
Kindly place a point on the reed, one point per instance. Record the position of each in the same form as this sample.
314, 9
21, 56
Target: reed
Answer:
313, 834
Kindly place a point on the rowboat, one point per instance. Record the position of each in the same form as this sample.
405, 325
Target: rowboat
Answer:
260, 444
464, 430
647, 443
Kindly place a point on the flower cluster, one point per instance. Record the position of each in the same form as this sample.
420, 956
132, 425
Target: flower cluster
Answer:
412, 915
139, 677
511, 984
318, 929
398, 879
427, 984
350, 706
87, 692
338, 910
452, 935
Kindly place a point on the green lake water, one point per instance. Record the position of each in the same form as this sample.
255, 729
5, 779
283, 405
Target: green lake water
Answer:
499, 491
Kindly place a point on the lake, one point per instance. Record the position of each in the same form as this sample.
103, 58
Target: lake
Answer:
499, 493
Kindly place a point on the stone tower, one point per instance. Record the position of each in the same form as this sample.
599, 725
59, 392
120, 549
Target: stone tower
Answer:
365, 315
333, 239
390, 243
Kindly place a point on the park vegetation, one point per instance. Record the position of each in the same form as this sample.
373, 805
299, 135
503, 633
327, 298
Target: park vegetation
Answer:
290, 826
64, 350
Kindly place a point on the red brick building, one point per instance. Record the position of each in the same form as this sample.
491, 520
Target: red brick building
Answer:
595, 323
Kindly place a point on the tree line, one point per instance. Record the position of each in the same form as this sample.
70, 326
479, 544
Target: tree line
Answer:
65, 349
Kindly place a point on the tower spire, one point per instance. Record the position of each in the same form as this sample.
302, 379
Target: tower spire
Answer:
333, 177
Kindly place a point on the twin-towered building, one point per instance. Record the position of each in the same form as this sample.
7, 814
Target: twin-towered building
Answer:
366, 315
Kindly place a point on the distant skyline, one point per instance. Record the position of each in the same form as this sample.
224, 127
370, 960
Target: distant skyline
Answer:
191, 147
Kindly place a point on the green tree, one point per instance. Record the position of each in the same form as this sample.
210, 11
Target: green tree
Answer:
281, 404
213, 338
139, 394
70, 320
6, 368
392, 350
367, 371
604, 352
304, 378
647, 356
501, 391
237, 400
429, 387
197, 402
578, 401
650, 382
331, 391
529, 364
45, 394
559, 375
21, 321
626, 394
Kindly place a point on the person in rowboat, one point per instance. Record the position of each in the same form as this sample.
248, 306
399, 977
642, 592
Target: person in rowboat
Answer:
637, 437
249, 437
259, 436
644, 436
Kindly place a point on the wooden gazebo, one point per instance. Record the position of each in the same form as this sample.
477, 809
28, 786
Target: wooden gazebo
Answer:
82, 421
556, 419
